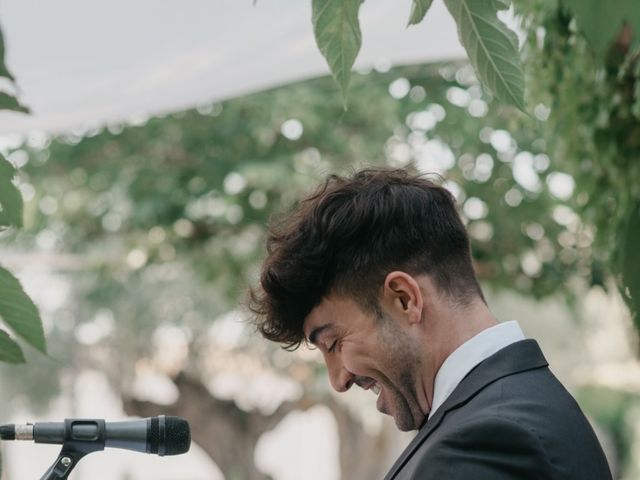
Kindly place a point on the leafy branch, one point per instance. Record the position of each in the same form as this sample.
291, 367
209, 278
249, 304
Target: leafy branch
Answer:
492, 47
583, 69
17, 310
8, 101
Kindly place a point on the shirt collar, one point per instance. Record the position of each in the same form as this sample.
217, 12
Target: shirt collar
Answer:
468, 355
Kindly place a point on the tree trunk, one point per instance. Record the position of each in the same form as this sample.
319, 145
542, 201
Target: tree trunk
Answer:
224, 431
362, 456
229, 435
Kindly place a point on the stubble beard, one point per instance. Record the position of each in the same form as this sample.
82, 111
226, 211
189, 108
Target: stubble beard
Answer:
402, 358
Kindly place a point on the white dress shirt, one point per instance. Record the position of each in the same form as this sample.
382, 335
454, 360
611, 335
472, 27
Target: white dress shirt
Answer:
468, 355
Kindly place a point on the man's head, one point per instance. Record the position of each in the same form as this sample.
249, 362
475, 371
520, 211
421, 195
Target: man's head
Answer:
363, 268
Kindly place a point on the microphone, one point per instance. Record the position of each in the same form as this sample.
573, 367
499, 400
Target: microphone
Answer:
160, 435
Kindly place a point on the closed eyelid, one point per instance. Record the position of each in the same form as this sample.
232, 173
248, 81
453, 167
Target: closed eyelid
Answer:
320, 331
327, 342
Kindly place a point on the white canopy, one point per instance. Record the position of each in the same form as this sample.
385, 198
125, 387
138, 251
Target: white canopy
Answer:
82, 63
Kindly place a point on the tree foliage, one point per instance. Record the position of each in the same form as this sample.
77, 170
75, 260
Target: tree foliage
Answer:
419, 9
492, 49
204, 179
189, 194
601, 22
10, 197
583, 65
8, 101
19, 312
491, 46
588, 84
337, 32
16, 308
165, 220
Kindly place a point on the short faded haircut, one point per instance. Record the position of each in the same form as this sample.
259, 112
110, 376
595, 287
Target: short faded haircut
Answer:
347, 236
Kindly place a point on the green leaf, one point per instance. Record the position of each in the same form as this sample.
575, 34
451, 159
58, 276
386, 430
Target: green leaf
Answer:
337, 31
8, 102
601, 21
6, 168
4, 72
491, 46
10, 351
419, 9
10, 197
19, 312
631, 264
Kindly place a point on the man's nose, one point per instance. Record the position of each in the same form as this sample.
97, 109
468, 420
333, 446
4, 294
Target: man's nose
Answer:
341, 379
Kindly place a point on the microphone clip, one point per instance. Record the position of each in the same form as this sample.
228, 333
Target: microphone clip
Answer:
81, 437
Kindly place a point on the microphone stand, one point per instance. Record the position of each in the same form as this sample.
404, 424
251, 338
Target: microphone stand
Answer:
74, 449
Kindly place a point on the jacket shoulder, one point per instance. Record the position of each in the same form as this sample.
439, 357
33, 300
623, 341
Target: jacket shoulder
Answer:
493, 447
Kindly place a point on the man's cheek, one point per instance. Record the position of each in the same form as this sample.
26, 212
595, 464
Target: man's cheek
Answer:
357, 364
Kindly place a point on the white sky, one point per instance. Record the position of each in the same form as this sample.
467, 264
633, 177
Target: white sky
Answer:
85, 62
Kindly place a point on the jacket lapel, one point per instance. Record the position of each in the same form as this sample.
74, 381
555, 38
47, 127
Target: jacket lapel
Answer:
515, 358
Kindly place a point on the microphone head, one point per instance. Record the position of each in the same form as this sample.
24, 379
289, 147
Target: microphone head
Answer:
8, 432
169, 435
178, 436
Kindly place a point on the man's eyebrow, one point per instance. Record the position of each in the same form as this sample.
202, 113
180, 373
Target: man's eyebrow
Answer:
313, 336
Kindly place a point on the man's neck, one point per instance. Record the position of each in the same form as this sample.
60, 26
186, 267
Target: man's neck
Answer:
449, 328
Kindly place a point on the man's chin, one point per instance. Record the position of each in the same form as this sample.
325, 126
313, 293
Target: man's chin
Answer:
407, 423
404, 417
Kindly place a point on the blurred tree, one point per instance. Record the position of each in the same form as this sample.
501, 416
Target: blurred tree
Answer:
164, 218
164, 222
583, 77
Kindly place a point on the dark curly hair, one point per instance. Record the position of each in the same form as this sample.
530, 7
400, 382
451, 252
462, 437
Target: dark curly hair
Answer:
347, 236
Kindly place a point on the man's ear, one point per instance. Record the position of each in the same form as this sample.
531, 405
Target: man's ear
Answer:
402, 294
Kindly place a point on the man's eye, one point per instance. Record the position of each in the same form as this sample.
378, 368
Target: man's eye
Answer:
333, 346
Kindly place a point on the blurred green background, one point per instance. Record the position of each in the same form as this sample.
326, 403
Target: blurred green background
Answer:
141, 239
156, 230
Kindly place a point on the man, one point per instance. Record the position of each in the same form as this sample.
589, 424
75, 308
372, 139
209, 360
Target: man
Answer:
376, 271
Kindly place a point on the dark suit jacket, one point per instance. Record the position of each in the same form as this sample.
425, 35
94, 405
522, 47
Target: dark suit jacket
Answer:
509, 419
